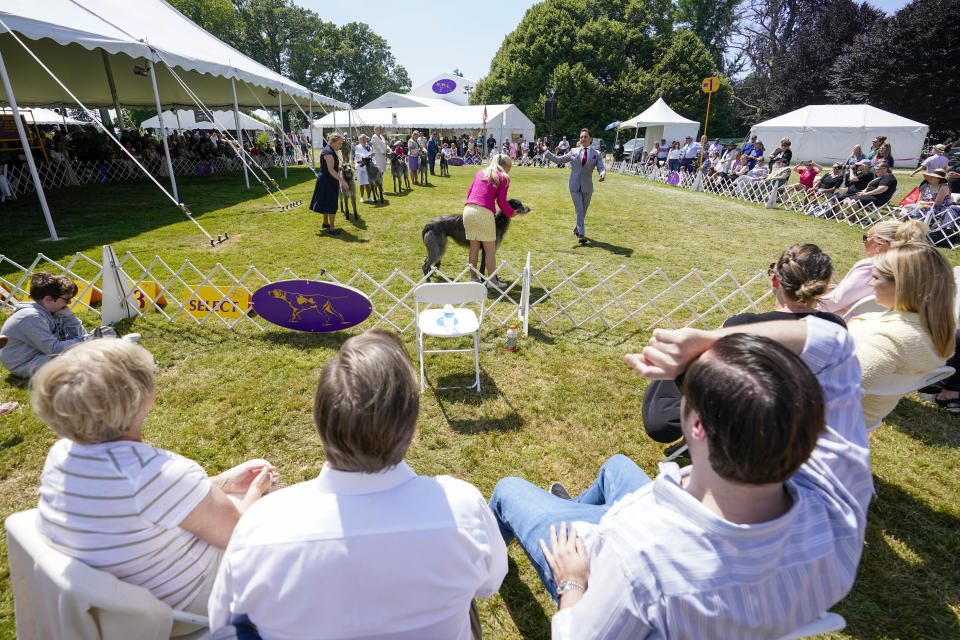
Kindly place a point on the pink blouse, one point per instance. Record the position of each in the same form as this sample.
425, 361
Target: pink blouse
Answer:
854, 287
485, 193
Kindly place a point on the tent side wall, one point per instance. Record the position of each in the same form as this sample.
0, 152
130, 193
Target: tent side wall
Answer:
826, 145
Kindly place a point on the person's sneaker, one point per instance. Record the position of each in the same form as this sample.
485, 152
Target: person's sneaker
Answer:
560, 491
132, 337
952, 405
325, 226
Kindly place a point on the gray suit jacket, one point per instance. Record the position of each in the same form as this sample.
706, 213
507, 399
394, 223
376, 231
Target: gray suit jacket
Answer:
581, 176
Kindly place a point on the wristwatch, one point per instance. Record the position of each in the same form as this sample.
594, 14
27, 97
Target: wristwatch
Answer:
569, 585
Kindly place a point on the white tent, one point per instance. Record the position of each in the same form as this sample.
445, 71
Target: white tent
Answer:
502, 119
662, 123
37, 115
826, 133
73, 38
187, 119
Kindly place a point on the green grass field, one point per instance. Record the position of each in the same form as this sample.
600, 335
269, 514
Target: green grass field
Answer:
555, 410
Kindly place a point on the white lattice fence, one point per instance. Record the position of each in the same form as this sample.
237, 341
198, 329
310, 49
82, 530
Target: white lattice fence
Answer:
57, 174
548, 295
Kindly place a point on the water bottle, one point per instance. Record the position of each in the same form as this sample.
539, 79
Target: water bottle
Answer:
448, 316
511, 339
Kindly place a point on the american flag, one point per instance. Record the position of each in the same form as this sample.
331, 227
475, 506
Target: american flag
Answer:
484, 116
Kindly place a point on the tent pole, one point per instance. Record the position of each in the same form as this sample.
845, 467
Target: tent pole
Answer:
26, 150
163, 130
313, 162
113, 90
236, 118
176, 112
283, 134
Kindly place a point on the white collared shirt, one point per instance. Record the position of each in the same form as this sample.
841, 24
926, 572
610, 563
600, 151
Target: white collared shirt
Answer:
389, 555
664, 566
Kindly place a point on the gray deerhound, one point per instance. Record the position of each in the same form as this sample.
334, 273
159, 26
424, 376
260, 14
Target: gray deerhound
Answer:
374, 176
348, 195
423, 168
437, 231
399, 172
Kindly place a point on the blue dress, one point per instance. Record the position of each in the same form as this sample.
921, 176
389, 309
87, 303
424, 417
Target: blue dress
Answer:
326, 193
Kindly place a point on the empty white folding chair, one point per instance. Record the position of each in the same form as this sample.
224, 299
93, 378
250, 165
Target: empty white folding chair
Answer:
56, 597
465, 321
898, 384
867, 304
824, 623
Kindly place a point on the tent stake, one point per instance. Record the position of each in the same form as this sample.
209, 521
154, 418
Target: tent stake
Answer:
26, 150
236, 117
163, 130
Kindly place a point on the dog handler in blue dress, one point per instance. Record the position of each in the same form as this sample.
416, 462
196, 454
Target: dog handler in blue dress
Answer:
326, 193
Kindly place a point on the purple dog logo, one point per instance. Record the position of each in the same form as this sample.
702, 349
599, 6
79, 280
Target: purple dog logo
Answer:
307, 305
444, 86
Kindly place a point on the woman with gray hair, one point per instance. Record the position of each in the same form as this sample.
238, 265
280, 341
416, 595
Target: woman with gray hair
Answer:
148, 516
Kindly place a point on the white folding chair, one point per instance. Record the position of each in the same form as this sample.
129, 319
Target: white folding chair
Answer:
864, 305
824, 623
898, 384
465, 321
56, 597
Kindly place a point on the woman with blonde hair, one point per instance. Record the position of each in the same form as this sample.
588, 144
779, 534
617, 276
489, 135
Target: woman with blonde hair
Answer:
915, 282
487, 191
856, 284
148, 516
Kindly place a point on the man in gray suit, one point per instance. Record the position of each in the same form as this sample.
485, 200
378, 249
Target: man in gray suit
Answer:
582, 161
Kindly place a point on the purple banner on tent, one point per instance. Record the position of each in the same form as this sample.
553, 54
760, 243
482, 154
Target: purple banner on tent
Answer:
444, 86
308, 305
673, 178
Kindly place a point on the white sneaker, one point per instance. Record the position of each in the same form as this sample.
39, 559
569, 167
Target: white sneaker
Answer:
132, 337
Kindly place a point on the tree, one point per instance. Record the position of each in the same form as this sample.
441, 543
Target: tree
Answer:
903, 66
219, 17
365, 66
600, 54
712, 21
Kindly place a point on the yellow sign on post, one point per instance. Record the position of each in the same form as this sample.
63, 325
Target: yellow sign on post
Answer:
711, 84
211, 298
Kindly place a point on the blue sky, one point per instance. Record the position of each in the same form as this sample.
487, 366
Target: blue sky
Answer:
430, 37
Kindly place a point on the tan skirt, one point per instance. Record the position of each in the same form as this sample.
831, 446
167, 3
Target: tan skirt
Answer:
478, 223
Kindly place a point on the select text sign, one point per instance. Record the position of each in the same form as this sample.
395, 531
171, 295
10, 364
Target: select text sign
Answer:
200, 301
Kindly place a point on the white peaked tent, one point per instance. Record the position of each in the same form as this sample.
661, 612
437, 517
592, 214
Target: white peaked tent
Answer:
661, 122
187, 119
141, 53
502, 119
72, 38
826, 133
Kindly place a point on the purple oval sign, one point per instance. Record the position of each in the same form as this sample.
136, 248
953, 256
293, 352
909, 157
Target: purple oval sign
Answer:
673, 178
444, 86
308, 305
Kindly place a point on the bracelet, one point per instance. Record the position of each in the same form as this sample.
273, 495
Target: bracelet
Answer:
567, 585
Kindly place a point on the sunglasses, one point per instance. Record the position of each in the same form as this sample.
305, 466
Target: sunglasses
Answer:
67, 300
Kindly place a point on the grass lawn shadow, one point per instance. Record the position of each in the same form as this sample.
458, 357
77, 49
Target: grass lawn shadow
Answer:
304, 339
453, 401
909, 575
527, 613
926, 423
606, 246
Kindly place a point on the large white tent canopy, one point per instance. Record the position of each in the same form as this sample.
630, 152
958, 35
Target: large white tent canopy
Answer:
502, 119
826, 133
661, 122
187, 119
69, 36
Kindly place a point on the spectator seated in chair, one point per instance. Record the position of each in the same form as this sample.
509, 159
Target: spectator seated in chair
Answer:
879, 190
725, 547
855, 285
798, 278
368, 549
148, 516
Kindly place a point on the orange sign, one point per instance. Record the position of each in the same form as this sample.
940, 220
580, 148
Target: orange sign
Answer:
711, 84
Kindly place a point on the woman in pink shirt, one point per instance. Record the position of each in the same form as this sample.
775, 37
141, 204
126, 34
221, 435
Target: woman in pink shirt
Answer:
489, 189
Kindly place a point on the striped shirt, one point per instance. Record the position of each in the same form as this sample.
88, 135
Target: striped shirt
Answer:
664, 566
117, 506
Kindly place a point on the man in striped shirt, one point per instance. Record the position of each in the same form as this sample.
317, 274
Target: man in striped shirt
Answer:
761, 534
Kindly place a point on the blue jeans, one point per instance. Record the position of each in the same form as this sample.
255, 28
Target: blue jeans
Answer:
525, 511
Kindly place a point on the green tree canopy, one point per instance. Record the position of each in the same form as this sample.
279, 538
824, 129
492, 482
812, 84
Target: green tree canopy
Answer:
608, 60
